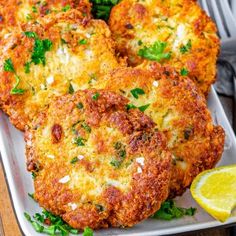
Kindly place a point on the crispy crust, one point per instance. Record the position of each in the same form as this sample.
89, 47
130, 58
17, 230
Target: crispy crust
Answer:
104, 195
175, 22
180, 112
14, 13
68, 62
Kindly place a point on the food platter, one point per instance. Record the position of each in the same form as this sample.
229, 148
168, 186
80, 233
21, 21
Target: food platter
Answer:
20, 183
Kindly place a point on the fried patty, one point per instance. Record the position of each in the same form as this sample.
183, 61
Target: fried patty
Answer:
97, 164
59, 55
179, 111
13, 13
174, 32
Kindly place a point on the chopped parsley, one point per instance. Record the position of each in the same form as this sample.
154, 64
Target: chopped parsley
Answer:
27, 67
80, 105
169, 211
63, 41
79, 141
55, 224
82, 41
66, 8
74, 160
95, 96
120, 153
141, 108
136, 92
31, 195
33, 175
87, 232
101, 8
140, 42
8, 66
185, 48
155, 52
71, 89
184, 72
34, 9
86, 127
29, 17
40, 48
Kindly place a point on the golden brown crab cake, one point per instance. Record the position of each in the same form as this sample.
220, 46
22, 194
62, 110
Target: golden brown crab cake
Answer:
97, 164
13, 13
58, 56
175, 32
180, 112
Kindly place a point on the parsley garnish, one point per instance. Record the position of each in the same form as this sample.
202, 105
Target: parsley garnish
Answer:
186, 48
66, 8
101, 8
80, 105
184, 72
120, 155
79, 141
27, 67
86, 127
74, 160
169, 211
34, 9
95, 96
8, 66
140, 42
155, 52
29, 17
136, 92
56, 225
141, 108
31, 195
33, 175
71, 89
88, 232
40, 48
82, 41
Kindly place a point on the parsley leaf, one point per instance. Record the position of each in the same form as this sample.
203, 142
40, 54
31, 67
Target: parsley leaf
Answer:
144, 107
15, 90
71, 89
155, 52
79, 141
184, 72
120, 154
66, 8
82, 41
88, 232
185, 48
27, 67
86, 127
141, 108
169, 211
136, 92
80, 105
74, 160
101, 8
31, 34
34, 9
8, 65
95, 96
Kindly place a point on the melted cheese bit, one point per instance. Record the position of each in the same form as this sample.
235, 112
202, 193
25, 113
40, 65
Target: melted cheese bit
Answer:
50, 156
80, 157
50, 79
72, 205
155, 83
63, 54
140, 160
139, 170
65, 179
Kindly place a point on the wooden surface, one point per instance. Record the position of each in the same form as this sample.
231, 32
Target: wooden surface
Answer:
10, 227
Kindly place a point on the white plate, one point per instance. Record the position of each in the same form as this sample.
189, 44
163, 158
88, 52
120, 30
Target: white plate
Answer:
20, 183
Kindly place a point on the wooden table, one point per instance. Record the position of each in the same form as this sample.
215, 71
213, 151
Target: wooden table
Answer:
10, 226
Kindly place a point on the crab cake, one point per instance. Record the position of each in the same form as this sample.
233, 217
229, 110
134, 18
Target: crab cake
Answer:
13, 13
174, 32
180, 112
58, 56
97, 164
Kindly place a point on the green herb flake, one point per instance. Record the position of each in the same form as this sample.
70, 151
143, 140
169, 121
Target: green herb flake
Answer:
31, 195
86, 127
140, 42
184, 72
8, 66
82, 41
144, 107
15, 90
33, 175
79, 141
88, 232
66, 8
63, 41
29, 17
120, 155
155, 52
30, 34
185, 48
169, 211
130, 106
27, 67
80, 105
34, 9
95, 96
74, 160
136, 92
71, 89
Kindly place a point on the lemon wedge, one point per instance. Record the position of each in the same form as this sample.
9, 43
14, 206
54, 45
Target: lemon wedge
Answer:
215, 191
